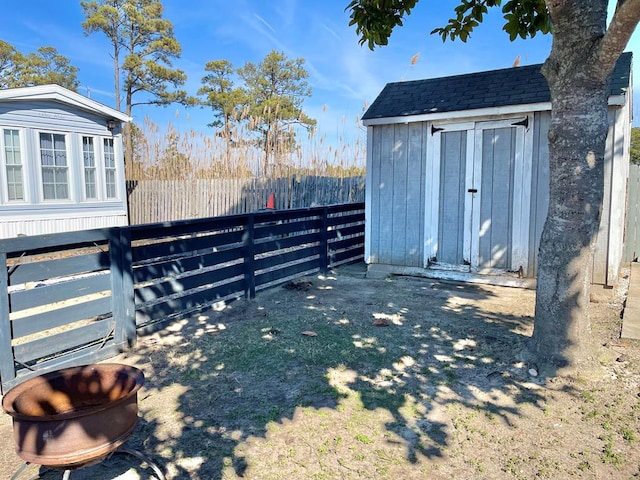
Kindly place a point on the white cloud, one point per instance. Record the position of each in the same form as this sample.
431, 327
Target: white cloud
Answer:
264, 22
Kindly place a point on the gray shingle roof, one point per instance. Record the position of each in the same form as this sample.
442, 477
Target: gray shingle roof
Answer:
495, 88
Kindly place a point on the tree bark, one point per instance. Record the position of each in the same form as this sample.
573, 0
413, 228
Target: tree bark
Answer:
116, 74
579, 85
126, 132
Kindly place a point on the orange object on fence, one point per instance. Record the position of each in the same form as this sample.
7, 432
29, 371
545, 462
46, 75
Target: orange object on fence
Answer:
271, 203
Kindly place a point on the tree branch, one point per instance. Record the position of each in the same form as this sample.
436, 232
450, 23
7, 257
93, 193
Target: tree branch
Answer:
618, 34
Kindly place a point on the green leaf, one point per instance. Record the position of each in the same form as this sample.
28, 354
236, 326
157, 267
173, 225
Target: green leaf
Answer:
375, 20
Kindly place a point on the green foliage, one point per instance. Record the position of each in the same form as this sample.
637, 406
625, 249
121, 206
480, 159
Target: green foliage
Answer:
362, 438
275, 89
226, 101
610, 455
7, 61
37, 68
138, 32
635, 145
376, 19
269, 103
48, 66
628, 434
219, 93
523, 18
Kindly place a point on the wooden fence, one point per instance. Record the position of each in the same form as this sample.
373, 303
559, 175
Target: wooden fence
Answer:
77, 298
632, 229
167, 200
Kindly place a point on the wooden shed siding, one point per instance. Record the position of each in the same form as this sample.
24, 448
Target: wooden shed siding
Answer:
381, 193
399, 156
608, 253
396, 194
618, 192
416, 193
385, 195
400, 197
368, 220
609, 243
496, 206
539, 186
600, 258
453, 159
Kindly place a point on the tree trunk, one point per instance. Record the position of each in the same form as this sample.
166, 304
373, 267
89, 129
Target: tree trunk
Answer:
228, 141
116, 74
268, 148
579, 84
126, 132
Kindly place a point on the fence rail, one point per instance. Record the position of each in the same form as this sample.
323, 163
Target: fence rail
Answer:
167, 200
81, 297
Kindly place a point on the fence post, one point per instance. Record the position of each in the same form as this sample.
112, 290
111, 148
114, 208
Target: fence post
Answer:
324, 243
7, 367
122, 293
249, 254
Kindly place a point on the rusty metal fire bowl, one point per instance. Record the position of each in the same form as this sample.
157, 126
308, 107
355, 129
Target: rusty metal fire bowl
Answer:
76, 416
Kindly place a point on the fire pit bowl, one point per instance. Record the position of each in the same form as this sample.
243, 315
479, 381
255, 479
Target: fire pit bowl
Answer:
76, 416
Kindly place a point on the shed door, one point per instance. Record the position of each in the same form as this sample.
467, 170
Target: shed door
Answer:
483, 197
451, 218
495, 208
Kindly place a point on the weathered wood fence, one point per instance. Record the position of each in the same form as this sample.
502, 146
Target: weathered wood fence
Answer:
167, 200
76, 298
632, 231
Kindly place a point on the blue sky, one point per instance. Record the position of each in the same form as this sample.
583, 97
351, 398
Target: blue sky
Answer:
344, 76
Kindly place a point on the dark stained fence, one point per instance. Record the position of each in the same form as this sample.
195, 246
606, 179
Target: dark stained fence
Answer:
632, 231
75, 298
56, 301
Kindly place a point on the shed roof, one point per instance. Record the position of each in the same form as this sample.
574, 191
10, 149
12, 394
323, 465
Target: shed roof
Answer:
494, 88
60, 94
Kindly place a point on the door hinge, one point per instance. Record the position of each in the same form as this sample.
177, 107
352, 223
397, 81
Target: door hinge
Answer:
522, 123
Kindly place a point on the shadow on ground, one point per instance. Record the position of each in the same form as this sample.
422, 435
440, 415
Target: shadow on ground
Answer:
340, 376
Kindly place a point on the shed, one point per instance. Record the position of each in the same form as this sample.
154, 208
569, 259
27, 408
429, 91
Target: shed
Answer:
458, 176
61, 162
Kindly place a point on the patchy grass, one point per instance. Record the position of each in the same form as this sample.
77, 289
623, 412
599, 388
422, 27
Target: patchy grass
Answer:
404, 378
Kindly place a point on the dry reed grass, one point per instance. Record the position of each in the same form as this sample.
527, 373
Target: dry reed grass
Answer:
233, 153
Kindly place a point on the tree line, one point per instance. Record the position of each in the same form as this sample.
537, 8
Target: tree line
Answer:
262, 100
44, 66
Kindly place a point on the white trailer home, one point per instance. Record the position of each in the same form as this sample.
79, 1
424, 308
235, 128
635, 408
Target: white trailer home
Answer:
61, 162
458, 175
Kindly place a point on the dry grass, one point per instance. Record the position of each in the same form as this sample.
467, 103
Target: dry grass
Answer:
438, 393
171, 155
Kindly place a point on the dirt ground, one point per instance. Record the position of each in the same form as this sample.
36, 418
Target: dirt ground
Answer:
346, 377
